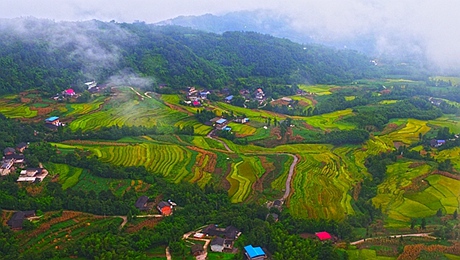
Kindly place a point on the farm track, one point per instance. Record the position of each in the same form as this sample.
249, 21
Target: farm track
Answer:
427, 235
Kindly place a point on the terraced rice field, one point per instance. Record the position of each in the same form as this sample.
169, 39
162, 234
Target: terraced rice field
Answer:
16, 110
452, 154
68, 175
330, 121
82, 108
242, 177
409, 133
175, 162
442, 193
390, 194
242, 130
322, 183
450, 121
55, 233
198, 127
127, 110
317, 89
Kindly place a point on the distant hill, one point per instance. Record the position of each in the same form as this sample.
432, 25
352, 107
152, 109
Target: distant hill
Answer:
267, 22
52, 56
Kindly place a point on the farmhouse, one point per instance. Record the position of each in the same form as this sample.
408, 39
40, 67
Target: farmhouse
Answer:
197, 249
229, 232
165, 208
254, 253
204, 94
21, 147
16, 221
217, 244
69, 92
228, 99
91, 84
196, 103
437, 143
7, 164
323, 236
17, 158
221, 124
33, 175
54, 120
260, 94
141, 203
9, 151
242, 120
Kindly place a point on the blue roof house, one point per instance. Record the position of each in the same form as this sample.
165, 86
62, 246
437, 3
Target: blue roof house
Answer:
229, 98
254, 253
221, 121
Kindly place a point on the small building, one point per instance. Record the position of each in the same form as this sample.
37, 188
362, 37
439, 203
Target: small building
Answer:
204, 94
437, 143
323, 236
241, 120
16, 221
197, 249
217, 244
254, 253
199, 235
17, 158
32, 175
7, 164
9, 151
141, 203
277, 204
196, 103
54, 120
228, 99
69, 92
221, 124
21, 147
165, 208
91, 84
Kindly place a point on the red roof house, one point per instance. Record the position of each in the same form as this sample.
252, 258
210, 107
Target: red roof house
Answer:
69, 92
165, 208
323, 236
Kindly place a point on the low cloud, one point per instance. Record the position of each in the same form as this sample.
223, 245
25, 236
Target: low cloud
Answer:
127, 77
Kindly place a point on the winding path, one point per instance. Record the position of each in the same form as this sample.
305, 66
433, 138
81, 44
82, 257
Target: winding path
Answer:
220, 141
427, 235
289, 178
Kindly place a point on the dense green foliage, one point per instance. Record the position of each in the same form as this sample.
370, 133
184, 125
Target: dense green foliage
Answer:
173, 55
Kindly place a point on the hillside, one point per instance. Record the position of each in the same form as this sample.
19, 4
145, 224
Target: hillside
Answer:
43, 54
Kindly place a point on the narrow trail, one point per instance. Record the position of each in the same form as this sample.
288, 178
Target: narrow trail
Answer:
289, 178
220, 141
125, 220
427, 235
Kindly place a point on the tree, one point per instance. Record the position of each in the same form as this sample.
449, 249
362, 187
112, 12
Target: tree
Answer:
423, 224
412, 223
455, 215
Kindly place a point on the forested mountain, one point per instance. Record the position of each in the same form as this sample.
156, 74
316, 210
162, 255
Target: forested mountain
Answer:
54, 55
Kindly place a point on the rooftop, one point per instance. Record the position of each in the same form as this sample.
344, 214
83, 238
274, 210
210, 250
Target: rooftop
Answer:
254, 251
53, 118
221, 121
323, 235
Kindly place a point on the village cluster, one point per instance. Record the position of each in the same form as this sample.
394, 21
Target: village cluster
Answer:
13, 158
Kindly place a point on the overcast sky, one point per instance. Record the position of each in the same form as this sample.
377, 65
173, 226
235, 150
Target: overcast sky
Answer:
418, 25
